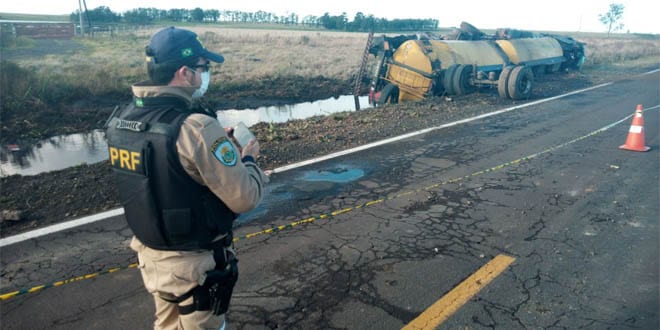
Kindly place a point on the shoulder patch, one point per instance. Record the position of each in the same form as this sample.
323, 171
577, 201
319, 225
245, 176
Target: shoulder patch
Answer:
224, 151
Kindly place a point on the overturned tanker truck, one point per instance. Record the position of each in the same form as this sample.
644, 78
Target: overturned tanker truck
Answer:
411, 68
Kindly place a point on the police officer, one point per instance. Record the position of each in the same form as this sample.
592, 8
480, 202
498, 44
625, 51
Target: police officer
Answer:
182, 182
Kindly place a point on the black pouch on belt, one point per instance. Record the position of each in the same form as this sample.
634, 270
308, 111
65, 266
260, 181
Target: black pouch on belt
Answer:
215, 293
221, 285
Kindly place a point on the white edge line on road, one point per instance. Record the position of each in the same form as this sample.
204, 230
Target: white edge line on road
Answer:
426, 130
59, 227
107, 214
650, 72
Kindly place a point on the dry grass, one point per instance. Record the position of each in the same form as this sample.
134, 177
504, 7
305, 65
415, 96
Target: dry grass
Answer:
249, 54
613, 51
110, 64
254, 54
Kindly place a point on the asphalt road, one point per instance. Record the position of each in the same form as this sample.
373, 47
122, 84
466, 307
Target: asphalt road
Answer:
382, 235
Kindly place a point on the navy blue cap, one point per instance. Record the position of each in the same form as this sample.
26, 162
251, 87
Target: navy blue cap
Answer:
178, 46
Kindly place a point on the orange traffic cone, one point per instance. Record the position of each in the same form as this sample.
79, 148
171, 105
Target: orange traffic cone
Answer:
635, 140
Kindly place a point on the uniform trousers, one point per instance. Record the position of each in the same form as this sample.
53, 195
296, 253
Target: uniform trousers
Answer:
171, 274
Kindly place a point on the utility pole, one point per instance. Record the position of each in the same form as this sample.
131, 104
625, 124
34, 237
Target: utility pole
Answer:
580, 25
80, 13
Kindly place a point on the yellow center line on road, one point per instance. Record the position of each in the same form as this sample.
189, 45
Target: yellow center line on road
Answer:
442, 309
9, 241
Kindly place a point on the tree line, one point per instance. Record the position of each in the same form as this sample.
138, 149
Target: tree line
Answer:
146, 16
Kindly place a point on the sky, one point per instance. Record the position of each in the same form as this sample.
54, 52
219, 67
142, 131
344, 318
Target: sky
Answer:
640, 16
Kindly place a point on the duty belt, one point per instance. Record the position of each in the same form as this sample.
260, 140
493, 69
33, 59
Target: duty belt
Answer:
215, 293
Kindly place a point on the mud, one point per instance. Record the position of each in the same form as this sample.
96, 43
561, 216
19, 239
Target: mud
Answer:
45, 120
63, 195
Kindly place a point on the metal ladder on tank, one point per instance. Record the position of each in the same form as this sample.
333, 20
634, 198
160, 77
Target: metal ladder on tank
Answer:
363, 65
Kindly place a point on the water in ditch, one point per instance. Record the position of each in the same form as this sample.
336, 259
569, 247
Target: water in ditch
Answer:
64, 151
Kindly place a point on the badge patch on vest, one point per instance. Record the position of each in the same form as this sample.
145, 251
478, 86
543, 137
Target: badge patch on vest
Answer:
224, 151
126, 159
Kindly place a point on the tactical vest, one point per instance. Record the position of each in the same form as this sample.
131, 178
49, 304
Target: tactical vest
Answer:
164, 206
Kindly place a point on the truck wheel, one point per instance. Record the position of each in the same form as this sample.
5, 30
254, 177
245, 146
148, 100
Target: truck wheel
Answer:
520, 82
461, 80
503, 81
389, 95
448, 78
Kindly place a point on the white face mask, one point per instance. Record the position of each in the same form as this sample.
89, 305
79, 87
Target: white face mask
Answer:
206, 79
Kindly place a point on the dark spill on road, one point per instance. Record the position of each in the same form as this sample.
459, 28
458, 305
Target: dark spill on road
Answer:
312, 184
339, 174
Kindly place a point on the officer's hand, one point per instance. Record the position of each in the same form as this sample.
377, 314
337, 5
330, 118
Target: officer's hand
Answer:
251, 149
229, 131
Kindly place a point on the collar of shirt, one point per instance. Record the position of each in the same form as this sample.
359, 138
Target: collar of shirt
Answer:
144, 90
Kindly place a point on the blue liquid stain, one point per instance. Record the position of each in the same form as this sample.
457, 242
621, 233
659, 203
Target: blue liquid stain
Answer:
338, 175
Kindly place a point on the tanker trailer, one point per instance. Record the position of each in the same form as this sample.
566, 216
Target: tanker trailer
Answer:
421, 68
540, 54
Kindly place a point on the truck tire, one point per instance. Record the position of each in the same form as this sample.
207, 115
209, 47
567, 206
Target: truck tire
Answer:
503, 81
389, 95
461, 80
448, 78
520, 82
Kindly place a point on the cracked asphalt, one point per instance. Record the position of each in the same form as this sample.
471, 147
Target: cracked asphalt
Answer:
581, 221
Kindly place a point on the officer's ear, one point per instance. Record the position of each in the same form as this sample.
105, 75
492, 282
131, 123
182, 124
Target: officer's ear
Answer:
182, 77
185, 72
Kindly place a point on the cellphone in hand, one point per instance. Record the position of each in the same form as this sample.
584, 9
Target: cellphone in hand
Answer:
242, 134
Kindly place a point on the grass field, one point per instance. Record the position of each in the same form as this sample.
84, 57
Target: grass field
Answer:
33, 17
108, 64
